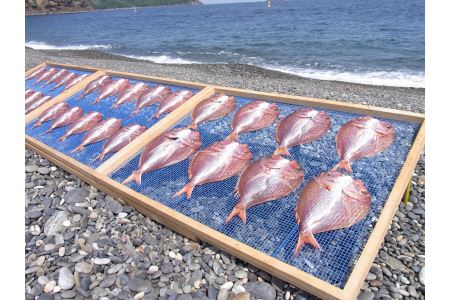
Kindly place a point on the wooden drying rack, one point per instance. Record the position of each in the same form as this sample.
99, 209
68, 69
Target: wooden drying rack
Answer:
195, 230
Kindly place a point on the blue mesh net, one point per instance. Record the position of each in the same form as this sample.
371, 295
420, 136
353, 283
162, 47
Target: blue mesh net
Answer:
271, 226
29, 84
90, 152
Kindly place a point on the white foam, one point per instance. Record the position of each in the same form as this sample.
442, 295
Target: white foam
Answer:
44, 46
161, 59
384, 78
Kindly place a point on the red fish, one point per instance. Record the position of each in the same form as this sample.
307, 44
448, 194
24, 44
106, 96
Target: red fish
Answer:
253, 116
121, 138
28, 93
131, 93
95, 85
172, 102
99, 132
47, 75
217, 162
330, 201
66, 118
112, 89
168, 149
33, 97
67, 78
362, 137
56, 77
85, 123
36, 73
74, 81
301, 127
213, 108
266, 179
52, 113
151, 96
37, 103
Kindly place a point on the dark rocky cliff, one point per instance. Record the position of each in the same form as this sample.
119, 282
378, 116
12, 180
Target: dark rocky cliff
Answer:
60, 6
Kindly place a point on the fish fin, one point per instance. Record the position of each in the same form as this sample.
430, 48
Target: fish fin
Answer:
115, 105
155, 116
282, 150
81, 96
37, 124
49, 130
97, 100
134, 112
344, 165
62, 138
297, 218
188, 188
193, 126
135, 176
238, 210
79, 148
233, 136
100, 156
306, 237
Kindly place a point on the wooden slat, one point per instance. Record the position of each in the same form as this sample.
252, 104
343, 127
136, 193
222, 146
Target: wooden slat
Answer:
74, 67
157, 129
63, 96
181, 223
157, 79
373, 244
29, 71
375, 111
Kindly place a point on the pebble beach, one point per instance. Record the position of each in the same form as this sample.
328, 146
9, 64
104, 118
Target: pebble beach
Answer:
83, 244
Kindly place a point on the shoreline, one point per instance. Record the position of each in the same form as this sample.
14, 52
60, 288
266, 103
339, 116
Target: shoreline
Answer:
242, 76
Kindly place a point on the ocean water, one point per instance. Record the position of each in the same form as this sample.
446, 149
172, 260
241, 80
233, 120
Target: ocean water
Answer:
373, 42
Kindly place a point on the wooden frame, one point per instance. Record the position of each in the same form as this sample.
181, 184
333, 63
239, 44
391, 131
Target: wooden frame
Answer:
195, 230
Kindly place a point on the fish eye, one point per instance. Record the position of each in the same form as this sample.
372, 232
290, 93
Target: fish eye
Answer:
363, 192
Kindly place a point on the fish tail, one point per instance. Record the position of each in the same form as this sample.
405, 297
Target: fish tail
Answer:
188, 188
135, 176
193, 126
79, 148
306, 237
233, 136
238, 210
282, 150
344, 165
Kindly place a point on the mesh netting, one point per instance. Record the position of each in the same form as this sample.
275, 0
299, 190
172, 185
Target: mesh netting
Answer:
90, 152
271, 226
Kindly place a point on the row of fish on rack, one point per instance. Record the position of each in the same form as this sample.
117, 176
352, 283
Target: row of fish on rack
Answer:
56, 77
140, 92
332, 200
97, 129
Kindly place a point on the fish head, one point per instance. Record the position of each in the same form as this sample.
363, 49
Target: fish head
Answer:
384, 128
357, 191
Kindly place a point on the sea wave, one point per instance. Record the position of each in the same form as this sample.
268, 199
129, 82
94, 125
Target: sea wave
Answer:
384, 78
162, 59
44, 46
